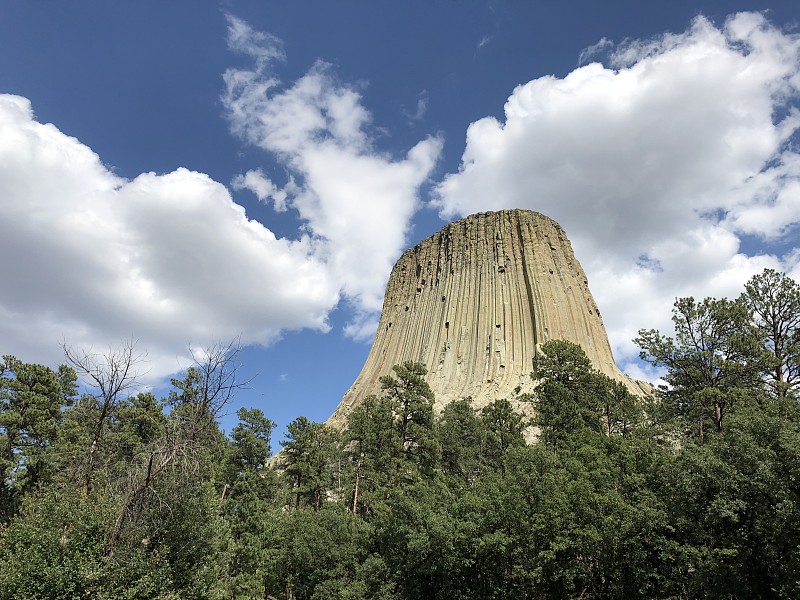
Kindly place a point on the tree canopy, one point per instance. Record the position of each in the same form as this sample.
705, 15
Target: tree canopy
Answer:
690, 493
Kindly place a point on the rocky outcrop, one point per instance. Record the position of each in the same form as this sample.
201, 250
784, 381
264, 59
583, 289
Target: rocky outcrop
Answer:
474, 301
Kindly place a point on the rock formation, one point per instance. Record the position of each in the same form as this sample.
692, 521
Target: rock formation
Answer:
474, 301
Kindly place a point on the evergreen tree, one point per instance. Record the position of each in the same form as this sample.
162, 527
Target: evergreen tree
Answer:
412, 401
462, 437
249, 502
569, 392
503, 430
31, 401
310, 455
714, 359
773, 300
374, 451
251, 440
733, 504
322, 555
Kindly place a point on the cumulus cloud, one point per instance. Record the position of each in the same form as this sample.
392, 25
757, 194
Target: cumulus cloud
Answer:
355, 200
656, 164
92, 258
170, 259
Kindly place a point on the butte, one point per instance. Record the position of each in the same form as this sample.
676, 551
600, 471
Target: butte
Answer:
474, 303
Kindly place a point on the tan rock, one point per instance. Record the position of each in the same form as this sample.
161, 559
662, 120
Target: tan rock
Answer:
473, 302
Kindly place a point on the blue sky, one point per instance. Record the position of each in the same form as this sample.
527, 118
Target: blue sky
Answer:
186, 172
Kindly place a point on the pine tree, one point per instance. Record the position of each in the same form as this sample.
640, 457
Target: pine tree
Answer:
773, 300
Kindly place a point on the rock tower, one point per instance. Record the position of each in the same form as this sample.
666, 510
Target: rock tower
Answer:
473, 302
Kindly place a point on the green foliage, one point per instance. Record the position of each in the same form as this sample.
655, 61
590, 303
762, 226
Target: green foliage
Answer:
572, 397
503, 428
411, 400
417, 541
391, 441
567, 398
405, 505
250, 514
319, 555
309, 452
136, 424
149, 525
773, 300
187, 527
462, 437
251, 440
374, 452
735, 503
31, 401
714, 360
250, 503
56, 549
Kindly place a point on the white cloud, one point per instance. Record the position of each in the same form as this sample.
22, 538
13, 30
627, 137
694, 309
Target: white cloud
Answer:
363, 326
260, 46
92, 258
594, 50
170, 259
655, 166
420, 110
262, 186
355, 200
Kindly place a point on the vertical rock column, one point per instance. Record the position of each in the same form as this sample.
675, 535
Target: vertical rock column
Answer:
473, 301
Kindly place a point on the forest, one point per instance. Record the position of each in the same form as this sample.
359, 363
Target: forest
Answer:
690, 492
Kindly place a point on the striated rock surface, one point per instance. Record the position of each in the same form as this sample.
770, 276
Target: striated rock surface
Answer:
473, 301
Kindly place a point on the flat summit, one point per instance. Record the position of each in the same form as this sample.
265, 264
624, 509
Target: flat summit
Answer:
473, 303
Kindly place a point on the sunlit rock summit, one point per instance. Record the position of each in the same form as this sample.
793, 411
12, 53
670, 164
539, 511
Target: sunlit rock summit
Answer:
474, 301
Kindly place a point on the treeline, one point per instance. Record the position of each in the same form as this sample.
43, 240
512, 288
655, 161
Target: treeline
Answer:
689, 493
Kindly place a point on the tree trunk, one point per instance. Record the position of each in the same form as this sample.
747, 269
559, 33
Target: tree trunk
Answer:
138, 492
98, 434
355, 491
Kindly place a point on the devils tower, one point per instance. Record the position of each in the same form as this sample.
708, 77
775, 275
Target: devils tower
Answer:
474, 301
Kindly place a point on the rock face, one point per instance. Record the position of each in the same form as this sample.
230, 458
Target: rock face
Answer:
474, 301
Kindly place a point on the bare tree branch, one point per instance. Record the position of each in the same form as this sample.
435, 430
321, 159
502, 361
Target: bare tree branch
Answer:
208, 386
110, 374
220, 374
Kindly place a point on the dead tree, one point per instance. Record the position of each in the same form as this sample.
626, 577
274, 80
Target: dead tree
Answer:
199, 399
110, 375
